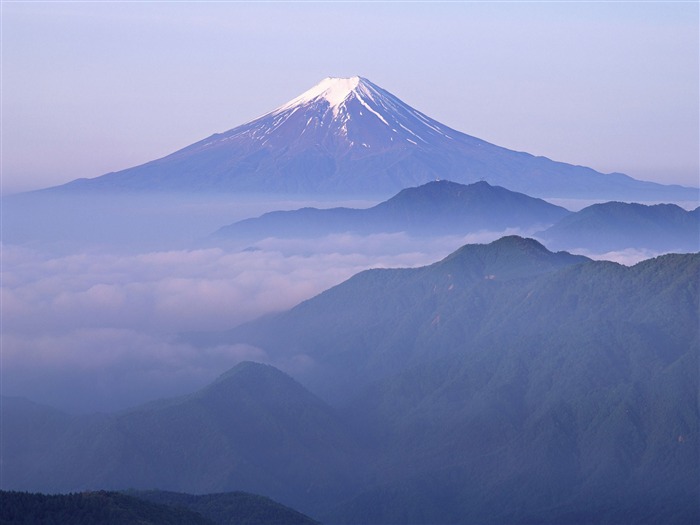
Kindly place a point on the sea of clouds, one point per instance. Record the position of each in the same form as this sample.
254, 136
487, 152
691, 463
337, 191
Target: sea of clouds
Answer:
99, 329
96, 295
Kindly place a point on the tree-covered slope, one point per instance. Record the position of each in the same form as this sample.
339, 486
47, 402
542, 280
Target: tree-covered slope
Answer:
590, 417
239, 508
90, 508
366, 327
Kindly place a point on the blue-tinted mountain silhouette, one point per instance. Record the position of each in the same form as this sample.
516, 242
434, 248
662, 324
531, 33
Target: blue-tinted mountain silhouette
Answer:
435, 208
617, 225
349, 136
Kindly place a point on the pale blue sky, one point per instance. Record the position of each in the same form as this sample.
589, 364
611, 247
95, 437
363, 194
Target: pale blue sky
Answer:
89, 88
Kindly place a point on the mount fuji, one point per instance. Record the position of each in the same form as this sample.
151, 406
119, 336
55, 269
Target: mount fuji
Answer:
349, 136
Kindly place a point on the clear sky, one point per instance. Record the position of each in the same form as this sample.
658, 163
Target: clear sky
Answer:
89, 87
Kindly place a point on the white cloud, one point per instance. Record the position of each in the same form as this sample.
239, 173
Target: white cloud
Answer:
106, 322
628, 257
97, 330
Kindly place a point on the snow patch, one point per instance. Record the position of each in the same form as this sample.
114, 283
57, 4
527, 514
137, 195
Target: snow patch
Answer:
359, 99
331, 89
411, 132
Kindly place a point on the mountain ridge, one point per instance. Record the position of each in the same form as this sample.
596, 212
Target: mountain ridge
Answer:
418, 295
435, 208
349, 136
562, 390
618, 225
231, 434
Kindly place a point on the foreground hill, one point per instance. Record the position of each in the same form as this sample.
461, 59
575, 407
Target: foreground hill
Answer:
504, 384
350, 136
618, 225
145, 508
436, 208
91, 508
253, 429
240, 508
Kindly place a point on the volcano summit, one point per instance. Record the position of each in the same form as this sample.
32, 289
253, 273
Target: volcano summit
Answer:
349, 136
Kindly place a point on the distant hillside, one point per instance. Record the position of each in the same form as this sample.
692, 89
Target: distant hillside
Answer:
90, 508
617, 226
436, 208
378, 320
253, 429
240, 508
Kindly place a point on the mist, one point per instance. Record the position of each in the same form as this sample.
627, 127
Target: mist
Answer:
96, 291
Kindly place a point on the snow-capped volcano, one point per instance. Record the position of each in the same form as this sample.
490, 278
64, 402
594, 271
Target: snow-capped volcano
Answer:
332, 89
349, 136
340, 115
341, 96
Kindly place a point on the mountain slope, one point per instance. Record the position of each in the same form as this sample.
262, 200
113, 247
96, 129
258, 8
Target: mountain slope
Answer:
545, 393
95, 508
249, 430
504, 384
617, 225
231, 507
435, 208
349, 136
145, 508
378, 320
574, 408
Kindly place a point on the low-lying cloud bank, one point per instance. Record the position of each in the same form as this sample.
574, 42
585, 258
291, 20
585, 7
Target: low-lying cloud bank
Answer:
97, 330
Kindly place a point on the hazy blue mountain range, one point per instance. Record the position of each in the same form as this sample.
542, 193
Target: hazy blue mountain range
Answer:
574, 408
444, 207
435, 208
503, 384
618, 225
254, 429
349, 136
383, 319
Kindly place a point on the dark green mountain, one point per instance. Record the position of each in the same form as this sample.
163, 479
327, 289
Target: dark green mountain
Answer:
436, 208
618, 225
90, 508
239, 508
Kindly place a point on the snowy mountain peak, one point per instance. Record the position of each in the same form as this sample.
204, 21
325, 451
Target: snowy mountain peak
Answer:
349, 135
345, 111
349, 117
333, 90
